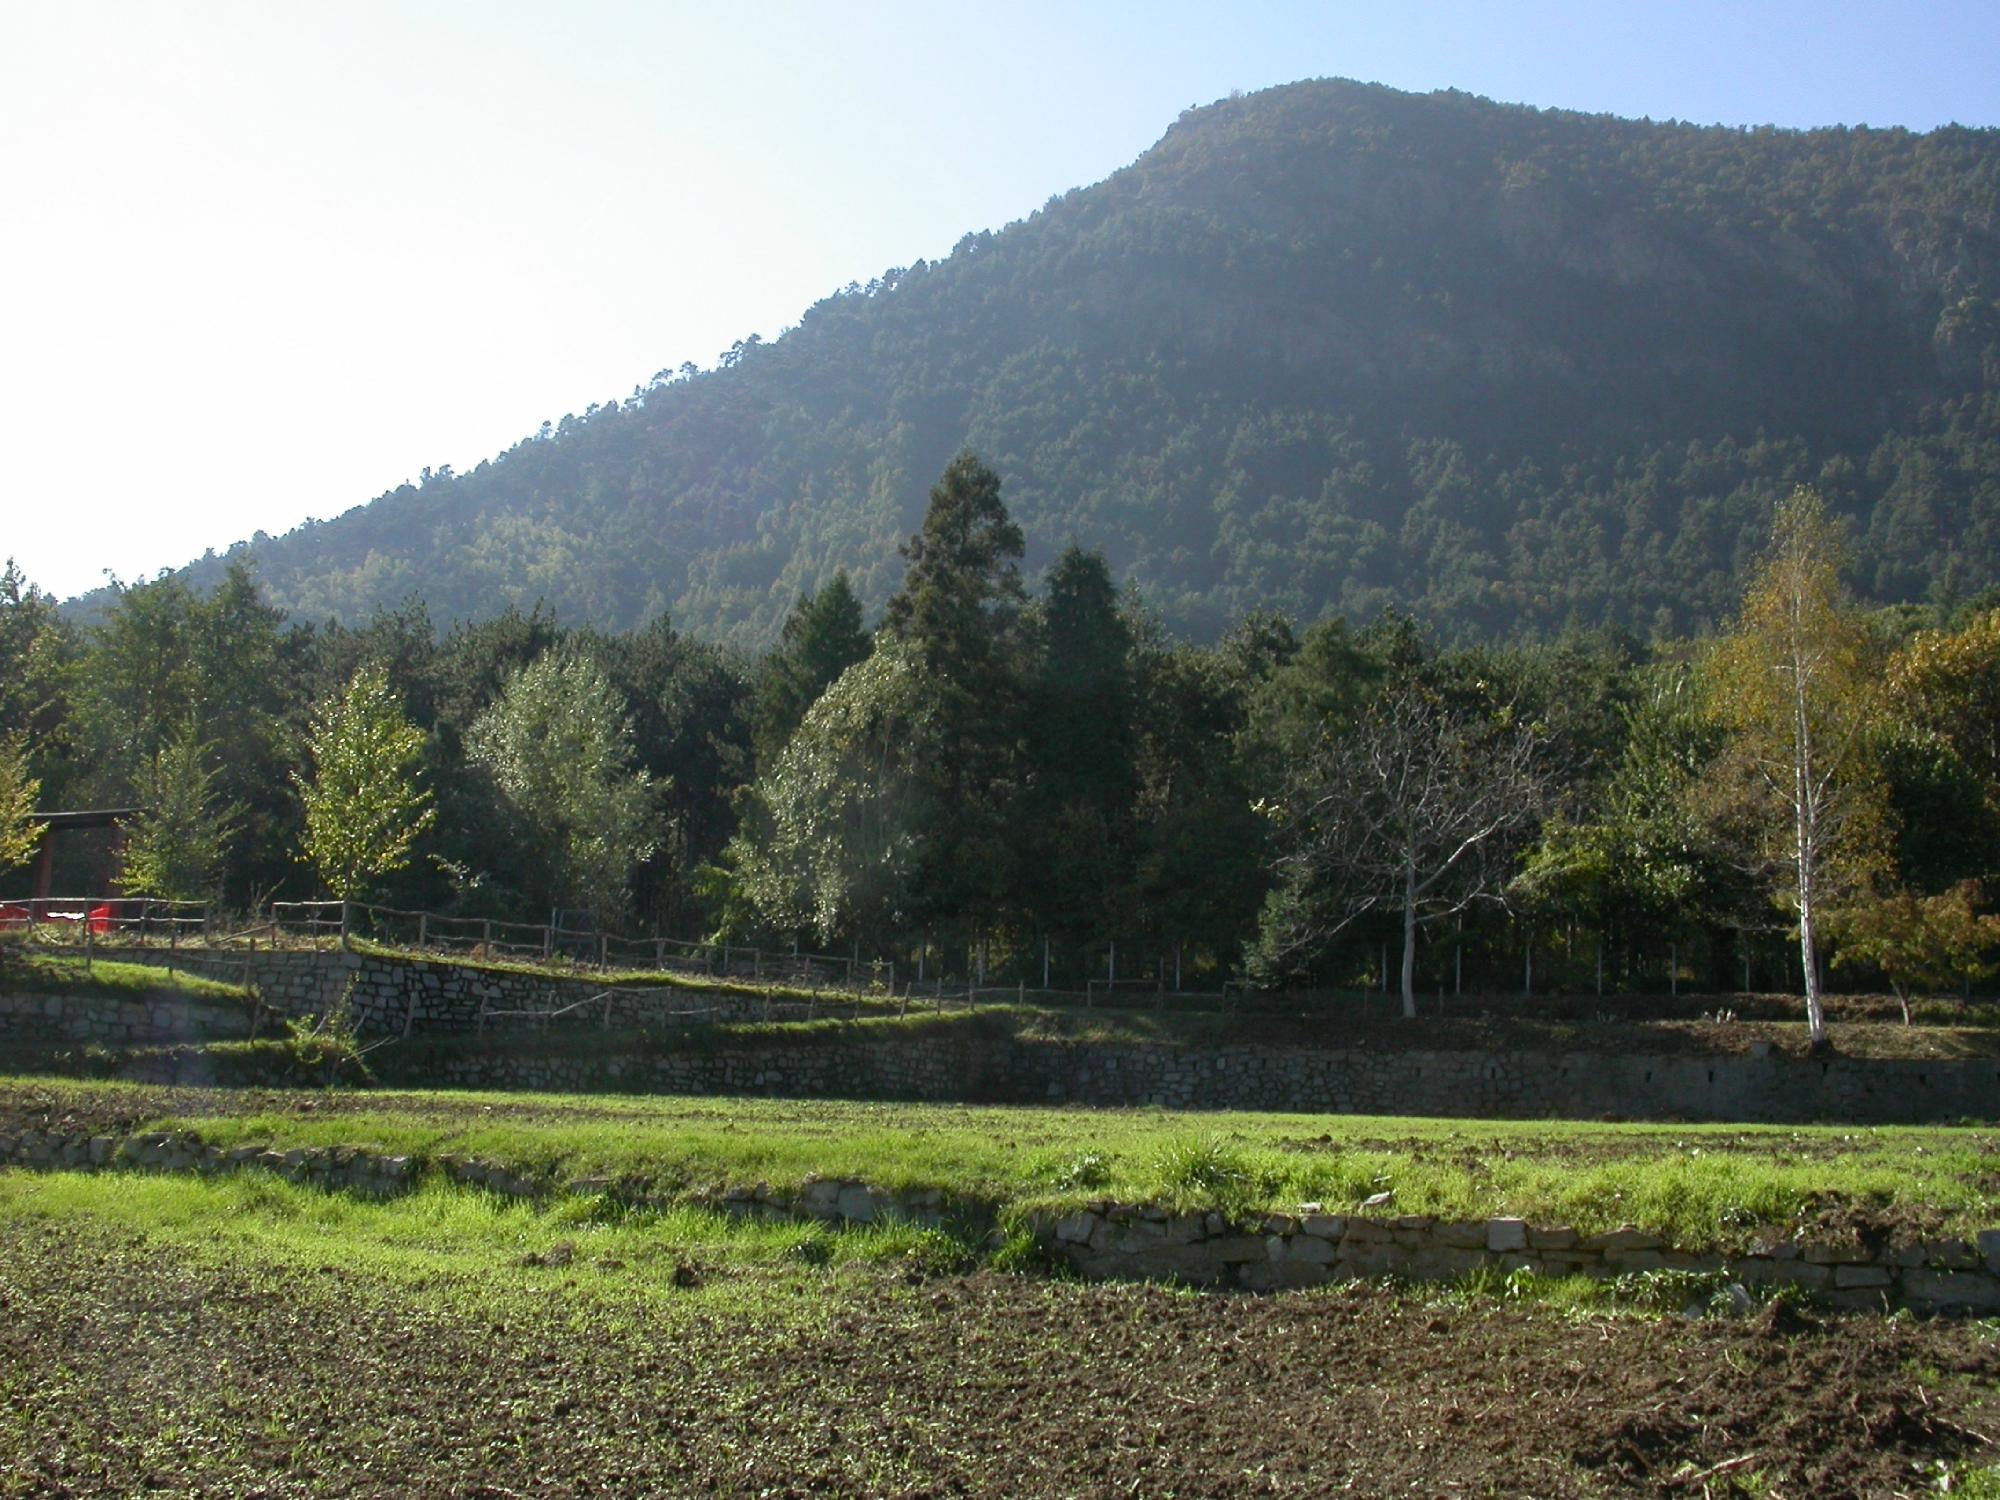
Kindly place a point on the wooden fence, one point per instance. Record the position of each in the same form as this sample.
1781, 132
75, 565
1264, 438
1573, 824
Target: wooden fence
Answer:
590, 948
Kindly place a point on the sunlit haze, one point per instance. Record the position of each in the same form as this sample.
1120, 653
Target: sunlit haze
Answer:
263, 262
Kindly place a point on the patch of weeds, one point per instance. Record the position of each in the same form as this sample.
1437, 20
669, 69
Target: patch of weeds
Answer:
325, 1049
591, 1208
917, 1251
1668, 1290
1205, 1173
812, 1246
1969, 1483
1091, 1169
1488, 1283
1020, 1253
1747, 1484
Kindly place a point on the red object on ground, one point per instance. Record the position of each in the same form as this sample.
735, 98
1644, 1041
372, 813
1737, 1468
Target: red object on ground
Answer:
15, 916
104, 918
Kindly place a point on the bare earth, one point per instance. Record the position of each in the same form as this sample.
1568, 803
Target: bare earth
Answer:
124, 1371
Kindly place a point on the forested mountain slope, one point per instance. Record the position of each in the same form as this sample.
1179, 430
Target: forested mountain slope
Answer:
1322, 348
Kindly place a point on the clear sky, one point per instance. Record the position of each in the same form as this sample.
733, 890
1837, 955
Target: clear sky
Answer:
262, 261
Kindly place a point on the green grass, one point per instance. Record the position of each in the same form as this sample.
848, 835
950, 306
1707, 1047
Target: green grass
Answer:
1701, 1186
27, 969
473, 1246
627, 978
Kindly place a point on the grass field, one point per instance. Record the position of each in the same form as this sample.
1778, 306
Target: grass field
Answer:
37, 971
1702, 1186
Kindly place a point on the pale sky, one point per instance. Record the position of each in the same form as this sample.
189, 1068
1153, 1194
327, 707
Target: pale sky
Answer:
261, 262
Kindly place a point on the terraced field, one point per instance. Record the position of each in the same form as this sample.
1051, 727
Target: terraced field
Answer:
240, 1335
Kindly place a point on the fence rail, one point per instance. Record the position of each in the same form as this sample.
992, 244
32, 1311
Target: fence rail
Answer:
79, 921
144, 917
552, 942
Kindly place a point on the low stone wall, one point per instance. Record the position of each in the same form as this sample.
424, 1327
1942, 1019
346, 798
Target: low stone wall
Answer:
434, 996
1772, 1087
637, 1043
1141, 1242
31, 1019
1312, 1247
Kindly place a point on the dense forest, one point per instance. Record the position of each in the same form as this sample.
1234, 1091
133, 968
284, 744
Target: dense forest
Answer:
1323, 349
1010, 782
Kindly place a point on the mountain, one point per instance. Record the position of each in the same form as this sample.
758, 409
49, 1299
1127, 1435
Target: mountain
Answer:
1322, 348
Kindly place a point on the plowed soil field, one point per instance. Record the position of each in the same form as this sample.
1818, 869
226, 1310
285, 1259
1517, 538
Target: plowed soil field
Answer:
131, 1364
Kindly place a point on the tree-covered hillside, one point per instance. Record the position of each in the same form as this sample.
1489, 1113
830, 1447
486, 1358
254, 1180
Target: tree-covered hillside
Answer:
1322, 348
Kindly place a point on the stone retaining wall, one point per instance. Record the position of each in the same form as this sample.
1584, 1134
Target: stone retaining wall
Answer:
1312, 1247
156, 1020
1141, 1242
434, 996
641, 1050
1769, 1087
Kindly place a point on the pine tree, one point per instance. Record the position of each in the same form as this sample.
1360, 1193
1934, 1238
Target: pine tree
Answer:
1079, 833
958, 611
822, 638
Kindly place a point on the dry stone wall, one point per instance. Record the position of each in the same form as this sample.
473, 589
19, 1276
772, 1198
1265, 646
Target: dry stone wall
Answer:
1312, 1247
1771, 1087
1143, 1242
634, 1039
390, 996
53, 1020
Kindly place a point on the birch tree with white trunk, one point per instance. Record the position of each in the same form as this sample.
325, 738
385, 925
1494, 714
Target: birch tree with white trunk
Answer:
1796, 684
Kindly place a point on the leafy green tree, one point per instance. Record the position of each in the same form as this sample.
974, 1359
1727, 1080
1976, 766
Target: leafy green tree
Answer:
1942, 753
962, 585
822, 637
838, 834
1634, 855
364, 808
691, 725
166, 662
38, 665
558, 744
20, 833
1918, 942
175, 848
1795, 686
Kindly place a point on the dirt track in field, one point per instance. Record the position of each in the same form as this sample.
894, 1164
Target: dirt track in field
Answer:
125, 1370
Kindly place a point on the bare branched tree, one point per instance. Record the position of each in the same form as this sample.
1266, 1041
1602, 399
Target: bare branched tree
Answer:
1416, 807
